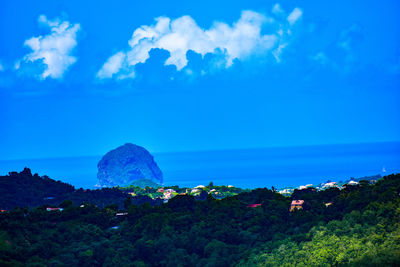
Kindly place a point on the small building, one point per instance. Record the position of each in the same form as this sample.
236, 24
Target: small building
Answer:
169, 191
253, 205
296, 205
286, 191
328, 204
195, 190
160, 190
121, 214
54, 209
352, 183
329, 185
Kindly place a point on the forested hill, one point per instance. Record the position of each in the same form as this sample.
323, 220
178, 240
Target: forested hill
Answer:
26, 190
358, 225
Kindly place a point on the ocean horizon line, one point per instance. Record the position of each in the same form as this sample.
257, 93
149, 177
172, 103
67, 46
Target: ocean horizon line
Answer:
217, 150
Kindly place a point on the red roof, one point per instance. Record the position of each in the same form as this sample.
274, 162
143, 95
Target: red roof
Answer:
253, 205
297, 202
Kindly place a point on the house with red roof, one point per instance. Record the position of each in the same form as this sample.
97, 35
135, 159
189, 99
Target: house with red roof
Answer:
296, 205
253, 205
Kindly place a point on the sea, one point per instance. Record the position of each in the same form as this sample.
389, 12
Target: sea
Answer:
246, 168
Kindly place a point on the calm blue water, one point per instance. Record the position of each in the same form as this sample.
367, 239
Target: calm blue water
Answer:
250, 168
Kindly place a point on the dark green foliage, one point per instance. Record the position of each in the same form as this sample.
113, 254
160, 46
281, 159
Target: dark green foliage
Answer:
360, 228
142, 183
26, 190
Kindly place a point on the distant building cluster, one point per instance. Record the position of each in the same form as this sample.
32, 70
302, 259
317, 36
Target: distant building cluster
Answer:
323, 186
168, 194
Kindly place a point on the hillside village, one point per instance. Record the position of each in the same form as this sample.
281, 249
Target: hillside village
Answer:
330, 184
165, 193
49, 193
200, 192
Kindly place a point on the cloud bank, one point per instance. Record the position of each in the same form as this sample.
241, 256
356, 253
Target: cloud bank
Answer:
54, 49
235, 42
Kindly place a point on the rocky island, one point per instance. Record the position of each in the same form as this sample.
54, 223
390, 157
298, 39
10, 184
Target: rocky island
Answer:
126, 165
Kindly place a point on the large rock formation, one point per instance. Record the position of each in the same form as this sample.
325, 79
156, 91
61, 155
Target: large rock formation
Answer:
127, 164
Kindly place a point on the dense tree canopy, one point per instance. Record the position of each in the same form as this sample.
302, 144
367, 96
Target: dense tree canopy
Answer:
360, 228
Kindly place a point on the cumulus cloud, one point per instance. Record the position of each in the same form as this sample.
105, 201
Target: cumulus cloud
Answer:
177, 36
294, 16
54, 49
343, 53
112, 66
278, 51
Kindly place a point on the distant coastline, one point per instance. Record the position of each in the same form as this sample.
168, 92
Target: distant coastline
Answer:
27, 189
246, 168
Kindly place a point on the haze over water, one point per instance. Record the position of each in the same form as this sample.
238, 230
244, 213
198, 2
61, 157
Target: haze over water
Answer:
247, 168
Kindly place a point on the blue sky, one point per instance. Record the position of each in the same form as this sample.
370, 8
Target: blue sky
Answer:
82, 77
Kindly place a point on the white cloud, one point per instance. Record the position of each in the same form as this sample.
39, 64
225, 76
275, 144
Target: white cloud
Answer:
238, 41
112, 66
350, 36
277, 9
320, 57
54, 49
294, 16
278, 51
17, 65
